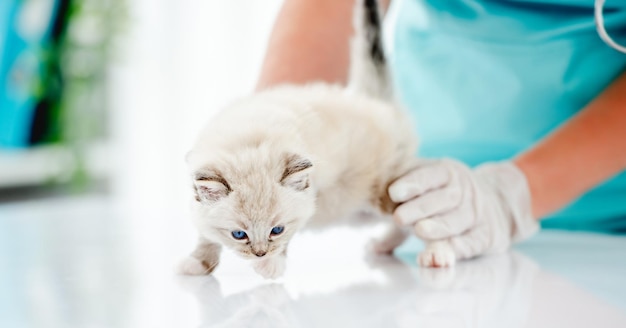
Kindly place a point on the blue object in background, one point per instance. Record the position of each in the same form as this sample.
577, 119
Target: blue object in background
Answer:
488, 79
25, 33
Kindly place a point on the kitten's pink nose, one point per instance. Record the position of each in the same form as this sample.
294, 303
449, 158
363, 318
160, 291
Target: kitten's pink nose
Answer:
260, 253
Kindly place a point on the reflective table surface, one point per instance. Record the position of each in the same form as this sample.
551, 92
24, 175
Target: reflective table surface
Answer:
93, 261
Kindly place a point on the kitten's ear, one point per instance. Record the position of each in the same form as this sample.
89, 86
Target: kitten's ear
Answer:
296, 173
210, 188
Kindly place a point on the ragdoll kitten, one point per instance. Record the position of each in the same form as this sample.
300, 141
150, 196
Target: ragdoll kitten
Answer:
281, 159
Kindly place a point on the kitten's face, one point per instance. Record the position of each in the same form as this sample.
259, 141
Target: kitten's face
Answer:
253, 202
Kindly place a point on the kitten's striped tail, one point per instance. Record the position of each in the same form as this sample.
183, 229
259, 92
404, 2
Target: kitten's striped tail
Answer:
369, 73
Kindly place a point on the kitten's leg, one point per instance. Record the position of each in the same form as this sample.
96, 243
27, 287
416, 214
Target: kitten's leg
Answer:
271, 267
437, 254
393, 237
202, 260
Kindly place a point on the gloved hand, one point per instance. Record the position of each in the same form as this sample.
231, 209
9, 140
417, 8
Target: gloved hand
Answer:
461, 213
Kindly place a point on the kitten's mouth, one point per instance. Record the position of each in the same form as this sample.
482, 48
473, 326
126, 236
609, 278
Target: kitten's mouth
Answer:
257, 256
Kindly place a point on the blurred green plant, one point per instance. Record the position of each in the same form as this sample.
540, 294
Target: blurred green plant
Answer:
76, 76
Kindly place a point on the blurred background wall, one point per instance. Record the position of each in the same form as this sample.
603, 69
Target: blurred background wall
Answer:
95, 90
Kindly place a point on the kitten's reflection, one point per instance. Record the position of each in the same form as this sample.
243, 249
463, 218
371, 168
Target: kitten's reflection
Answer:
493, 291
265, 306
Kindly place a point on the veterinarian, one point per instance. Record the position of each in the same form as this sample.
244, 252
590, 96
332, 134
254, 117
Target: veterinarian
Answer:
519, 104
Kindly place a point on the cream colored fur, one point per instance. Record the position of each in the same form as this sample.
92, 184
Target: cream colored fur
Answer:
357, 146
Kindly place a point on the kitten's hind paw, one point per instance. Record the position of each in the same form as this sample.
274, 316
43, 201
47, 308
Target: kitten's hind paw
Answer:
270, 268
381, 247
385, 245
191, 266
437, 255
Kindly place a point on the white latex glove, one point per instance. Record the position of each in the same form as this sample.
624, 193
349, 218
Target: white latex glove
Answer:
461, 213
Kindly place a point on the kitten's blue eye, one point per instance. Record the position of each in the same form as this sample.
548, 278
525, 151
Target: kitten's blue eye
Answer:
277, 230
238, 234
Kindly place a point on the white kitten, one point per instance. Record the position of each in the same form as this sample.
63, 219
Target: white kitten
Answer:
280, 159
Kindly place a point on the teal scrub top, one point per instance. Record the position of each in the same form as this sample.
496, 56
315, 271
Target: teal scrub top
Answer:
487, 79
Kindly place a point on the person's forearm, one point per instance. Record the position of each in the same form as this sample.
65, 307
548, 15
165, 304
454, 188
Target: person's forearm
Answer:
587, 150
309, 42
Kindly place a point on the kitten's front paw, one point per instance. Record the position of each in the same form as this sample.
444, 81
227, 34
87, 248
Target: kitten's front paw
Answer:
437, 255
270, 268
193, 267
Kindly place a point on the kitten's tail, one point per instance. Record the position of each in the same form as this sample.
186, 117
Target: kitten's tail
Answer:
369, 73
